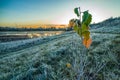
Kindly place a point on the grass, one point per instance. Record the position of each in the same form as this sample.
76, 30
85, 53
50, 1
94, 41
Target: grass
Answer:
49, 61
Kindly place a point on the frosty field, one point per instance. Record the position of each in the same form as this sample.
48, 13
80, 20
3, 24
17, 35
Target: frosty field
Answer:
46, 58
7, 36
63, 57
59, 39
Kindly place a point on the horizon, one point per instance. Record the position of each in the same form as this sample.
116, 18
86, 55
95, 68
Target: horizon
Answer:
40, 12
50, 25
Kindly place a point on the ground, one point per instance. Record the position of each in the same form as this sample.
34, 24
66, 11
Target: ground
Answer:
61, 57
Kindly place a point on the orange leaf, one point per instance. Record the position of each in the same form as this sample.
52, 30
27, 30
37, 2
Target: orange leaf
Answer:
87, 42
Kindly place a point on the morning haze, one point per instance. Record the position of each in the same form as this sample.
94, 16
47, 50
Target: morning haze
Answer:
20, 13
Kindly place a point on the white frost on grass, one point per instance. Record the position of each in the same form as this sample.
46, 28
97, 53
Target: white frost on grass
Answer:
50, 59
13, 45
107, 29
20, 61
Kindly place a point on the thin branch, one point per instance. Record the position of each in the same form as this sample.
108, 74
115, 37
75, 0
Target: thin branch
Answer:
80, 22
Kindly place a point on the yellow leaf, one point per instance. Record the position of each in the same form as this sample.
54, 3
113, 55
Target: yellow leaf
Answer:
87, 42
84, 28
68, 65
86, 34
71, 23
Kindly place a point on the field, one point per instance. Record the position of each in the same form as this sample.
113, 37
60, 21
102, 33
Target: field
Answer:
62, 57
7, 36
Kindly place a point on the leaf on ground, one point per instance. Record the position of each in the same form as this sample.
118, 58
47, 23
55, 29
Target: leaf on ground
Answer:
68, 65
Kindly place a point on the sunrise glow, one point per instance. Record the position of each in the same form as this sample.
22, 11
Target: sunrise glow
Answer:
33, 13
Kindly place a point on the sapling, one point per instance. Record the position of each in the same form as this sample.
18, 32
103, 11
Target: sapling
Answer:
81, 26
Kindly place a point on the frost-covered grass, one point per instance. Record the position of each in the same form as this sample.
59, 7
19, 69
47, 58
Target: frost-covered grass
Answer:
47, 61
13, 46
107, 29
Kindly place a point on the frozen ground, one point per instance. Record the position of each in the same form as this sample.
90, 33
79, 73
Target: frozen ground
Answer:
63, 57
46, 58
13, 46
108, 29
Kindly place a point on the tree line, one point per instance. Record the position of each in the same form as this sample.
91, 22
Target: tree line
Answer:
34, 29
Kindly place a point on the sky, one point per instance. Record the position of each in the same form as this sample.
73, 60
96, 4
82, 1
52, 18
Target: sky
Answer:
23, 12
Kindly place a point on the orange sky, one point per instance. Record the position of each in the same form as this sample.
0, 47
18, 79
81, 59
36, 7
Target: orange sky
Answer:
42, 26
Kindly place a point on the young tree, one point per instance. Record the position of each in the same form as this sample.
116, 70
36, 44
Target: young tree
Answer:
81, 26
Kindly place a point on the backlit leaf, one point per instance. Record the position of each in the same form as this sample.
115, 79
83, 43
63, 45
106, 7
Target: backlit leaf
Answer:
71, 23
75, 28
87, 42
76, 12
86, 18
78, 30
84, 28
86, 35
